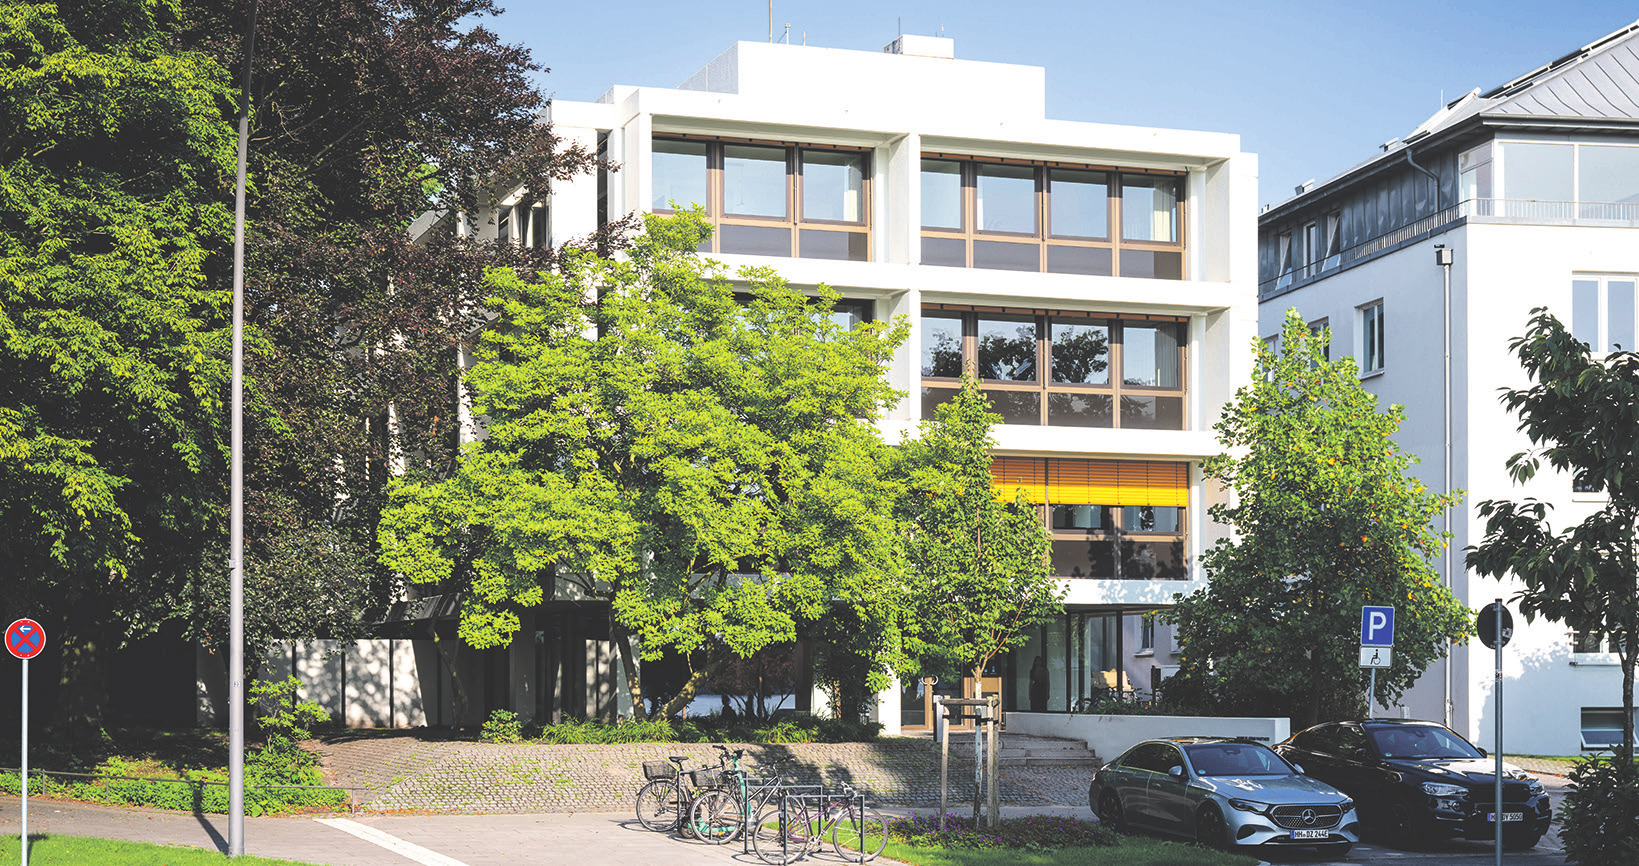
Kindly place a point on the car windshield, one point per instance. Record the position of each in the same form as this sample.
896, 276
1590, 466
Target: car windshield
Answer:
1236, 759
1421, 741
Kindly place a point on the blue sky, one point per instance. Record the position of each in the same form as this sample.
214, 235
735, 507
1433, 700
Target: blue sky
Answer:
1313, 88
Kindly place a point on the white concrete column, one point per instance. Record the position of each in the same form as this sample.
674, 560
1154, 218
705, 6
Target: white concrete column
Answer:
574, 203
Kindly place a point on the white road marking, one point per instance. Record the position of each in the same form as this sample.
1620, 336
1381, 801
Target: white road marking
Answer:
390, 842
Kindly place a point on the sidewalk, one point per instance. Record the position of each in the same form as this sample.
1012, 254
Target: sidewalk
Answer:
590, 839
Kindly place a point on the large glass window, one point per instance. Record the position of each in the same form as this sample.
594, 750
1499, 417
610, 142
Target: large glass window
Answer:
1602, 312
1101, 371
680, 174
1607, 181
1537, 172
1047, 217
770, 199
1108, 519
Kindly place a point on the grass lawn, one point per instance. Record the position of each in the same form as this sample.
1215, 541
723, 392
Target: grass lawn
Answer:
58, 850
1132, 851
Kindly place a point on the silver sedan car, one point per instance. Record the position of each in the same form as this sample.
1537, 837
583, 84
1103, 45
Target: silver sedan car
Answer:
1222, 793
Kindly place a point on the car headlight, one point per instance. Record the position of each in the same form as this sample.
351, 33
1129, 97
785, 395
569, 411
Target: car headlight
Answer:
1250, 806
1434, 789
1534, 788
1346, 805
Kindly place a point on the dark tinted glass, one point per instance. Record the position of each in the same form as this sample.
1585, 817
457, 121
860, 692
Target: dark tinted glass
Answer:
1091, 261
949, 252
1006, 257
1152, 413
1153, 560
1016, 407
1420, 741
1091, 557
846, 246
755, 240
1151, 264
1079, 409
932, 397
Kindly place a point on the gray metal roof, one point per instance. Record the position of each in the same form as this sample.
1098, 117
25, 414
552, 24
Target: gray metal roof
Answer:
1598, 81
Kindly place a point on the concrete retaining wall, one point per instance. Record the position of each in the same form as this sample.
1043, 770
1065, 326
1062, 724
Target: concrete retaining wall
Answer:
1109, 736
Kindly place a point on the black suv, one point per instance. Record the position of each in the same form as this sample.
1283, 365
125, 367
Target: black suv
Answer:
1420, 780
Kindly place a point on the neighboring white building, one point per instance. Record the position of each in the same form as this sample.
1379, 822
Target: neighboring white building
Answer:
1531, 191
922, 186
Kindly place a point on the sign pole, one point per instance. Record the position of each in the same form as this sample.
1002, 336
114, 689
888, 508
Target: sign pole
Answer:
1497, 743
23, 839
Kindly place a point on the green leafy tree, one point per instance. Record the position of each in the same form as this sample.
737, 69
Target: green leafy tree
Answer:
708, 463
1580, 416
114, 159
1325, 521
977, 561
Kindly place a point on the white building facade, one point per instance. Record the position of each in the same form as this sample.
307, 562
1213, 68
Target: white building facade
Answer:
1100, 279
1530, 192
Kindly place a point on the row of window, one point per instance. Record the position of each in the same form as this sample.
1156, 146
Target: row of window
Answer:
1553, 180
1058, 368
1306, 253
1368, 326
1109, 519
813, 201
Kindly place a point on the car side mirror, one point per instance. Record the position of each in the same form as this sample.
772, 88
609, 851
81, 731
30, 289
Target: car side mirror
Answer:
1483, 752
1175, 771
1299, 768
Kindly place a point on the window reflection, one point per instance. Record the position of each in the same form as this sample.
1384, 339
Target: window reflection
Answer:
1007, 349
754, 180
1081, 352
833, 185
1150, 355
942, 193
1149, 208
941, 346
1080, 203
1006, 200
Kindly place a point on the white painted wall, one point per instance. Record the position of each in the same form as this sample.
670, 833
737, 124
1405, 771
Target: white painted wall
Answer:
1109, 736
1499, 274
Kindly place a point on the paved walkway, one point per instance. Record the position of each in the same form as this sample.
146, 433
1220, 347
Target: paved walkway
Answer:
406, 773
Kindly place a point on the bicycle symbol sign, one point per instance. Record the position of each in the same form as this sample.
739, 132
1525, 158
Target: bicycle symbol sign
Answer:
25, 639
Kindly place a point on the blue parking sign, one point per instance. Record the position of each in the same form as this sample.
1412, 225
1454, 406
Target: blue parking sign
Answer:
1376, 626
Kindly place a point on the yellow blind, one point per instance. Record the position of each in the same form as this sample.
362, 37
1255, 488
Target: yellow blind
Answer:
1010, 474
1117, 482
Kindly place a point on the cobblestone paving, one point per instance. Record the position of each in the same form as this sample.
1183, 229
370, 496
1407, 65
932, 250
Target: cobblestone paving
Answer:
411, 774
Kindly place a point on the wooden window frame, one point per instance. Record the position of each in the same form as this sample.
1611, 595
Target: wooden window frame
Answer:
1115, 386
793, 219
1044, 238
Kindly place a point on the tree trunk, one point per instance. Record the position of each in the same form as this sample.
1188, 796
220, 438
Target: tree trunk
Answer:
628, 664
1630, 654
690, 687
83, 687
447, 650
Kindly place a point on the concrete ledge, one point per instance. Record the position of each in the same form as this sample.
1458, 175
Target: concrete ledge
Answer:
1109, 736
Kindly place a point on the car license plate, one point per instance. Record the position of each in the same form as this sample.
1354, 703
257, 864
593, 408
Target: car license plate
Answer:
1311, 834
1506, 816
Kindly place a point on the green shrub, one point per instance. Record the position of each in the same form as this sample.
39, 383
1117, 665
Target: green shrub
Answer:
502, 727
1598, 819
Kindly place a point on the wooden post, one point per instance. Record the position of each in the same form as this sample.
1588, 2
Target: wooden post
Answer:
993, 768
978, 756
943, 727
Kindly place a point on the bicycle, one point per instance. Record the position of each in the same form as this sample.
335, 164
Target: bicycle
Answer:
798, 825
719, 817
663, 802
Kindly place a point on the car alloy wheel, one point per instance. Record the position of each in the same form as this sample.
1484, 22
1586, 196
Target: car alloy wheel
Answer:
1210, 829
1110, 813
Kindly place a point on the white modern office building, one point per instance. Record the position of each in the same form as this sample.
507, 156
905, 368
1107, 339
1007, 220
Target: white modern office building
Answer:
1100, 279
1531, 192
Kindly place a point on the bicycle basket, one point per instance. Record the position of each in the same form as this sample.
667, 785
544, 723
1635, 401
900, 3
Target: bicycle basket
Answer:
706, 778
659, 770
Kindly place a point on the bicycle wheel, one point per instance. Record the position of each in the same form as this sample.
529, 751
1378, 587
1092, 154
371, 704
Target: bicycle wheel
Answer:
859, 836
658, 806
777, 836
717, 817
